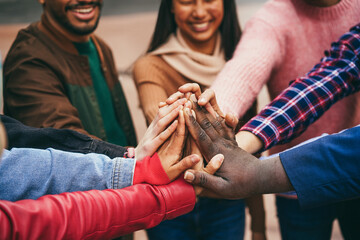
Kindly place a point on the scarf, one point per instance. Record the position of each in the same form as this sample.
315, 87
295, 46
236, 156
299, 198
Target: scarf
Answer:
198, 67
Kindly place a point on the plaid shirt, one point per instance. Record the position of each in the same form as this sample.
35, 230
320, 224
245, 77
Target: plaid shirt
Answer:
307, 98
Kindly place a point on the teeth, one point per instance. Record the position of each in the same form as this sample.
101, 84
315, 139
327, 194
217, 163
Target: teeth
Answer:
200, 25
83, 10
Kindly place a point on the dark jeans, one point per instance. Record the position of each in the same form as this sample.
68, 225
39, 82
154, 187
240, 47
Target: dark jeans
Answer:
316, 223
210, 219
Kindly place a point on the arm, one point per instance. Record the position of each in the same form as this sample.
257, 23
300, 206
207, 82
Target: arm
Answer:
32, 173
240, 81
95, 214
322, 171
326, 170
148, 78
241, 174
21, 136
307, 98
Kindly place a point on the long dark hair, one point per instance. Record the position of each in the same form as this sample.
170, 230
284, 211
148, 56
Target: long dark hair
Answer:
229, 28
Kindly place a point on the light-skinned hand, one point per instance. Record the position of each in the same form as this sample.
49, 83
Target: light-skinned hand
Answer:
160, 129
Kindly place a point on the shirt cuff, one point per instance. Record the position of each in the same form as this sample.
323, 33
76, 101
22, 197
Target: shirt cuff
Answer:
123, 171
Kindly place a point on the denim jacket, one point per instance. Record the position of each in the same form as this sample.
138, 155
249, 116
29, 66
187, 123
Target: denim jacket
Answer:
27, 173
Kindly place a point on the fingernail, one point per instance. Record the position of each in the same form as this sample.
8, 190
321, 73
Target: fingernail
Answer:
201, 100
219, 160
194, 158
189, 176
187, 111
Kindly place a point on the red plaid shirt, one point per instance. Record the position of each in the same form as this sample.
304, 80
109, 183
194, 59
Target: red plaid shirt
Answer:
307, 98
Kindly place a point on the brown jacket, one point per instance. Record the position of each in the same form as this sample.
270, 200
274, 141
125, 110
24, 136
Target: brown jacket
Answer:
48, 84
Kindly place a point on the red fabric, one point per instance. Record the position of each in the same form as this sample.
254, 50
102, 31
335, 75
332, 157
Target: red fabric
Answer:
95, 214
149, 170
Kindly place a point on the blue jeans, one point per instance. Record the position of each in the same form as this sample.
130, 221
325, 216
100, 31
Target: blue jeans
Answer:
316, 223
210, 219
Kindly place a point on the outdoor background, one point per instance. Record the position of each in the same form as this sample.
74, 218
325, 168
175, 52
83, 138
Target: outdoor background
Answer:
127, 26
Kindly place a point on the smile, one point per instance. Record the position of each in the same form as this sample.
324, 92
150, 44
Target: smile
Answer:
200, 27
84, 10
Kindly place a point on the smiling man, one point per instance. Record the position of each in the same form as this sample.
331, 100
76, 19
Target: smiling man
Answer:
59, 74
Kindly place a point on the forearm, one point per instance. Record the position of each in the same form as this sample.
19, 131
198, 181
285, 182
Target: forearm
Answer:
21, 136
95, 214
270, 177
307, 98
249, 142
31, 173
240, 81
326, 170
151, 95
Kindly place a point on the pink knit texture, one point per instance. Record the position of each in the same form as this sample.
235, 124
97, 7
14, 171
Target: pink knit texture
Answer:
283, 41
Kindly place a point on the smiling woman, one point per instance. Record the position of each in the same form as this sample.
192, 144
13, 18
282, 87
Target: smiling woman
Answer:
191, 43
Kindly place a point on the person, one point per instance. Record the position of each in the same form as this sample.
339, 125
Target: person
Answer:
329, 176
46, 173
94, 214
191, 42
302, 103
58, 74
283, 41
117, 212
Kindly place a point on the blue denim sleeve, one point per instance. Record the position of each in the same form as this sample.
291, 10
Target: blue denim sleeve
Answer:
27, 173
326, 170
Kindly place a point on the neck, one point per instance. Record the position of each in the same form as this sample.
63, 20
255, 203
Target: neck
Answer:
322, 3
67, 34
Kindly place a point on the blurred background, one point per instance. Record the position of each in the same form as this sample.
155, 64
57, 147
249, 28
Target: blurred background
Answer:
127, 25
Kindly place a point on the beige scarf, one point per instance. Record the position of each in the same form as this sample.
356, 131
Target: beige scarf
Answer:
196, 66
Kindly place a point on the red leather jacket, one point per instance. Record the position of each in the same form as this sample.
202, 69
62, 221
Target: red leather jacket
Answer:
95, 214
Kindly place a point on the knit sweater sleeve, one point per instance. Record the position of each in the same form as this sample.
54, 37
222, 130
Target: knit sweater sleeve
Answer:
148, 77
307, 98
242, 77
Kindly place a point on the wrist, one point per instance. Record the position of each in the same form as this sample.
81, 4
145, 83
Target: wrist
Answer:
149, 170
249, 142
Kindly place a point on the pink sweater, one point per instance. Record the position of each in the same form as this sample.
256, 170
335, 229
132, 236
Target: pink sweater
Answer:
283, 41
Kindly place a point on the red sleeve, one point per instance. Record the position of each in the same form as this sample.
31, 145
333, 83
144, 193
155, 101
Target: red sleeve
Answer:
149, 170
95, 214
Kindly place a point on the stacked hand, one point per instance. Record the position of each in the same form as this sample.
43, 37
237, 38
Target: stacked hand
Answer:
213, 136
166, 135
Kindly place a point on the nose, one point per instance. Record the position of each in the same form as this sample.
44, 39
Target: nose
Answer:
199, 10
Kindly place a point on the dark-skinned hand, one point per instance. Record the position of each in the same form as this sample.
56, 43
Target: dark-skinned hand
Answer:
213, 136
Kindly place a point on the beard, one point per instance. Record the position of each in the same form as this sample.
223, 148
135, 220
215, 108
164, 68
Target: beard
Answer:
63, 20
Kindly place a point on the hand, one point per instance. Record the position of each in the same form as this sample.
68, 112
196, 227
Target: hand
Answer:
206, 99
213, 137
171, 151
211, 168
159, 130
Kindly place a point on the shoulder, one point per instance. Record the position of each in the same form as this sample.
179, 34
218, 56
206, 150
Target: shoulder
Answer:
151, 63
149, 60
30, 46
153, 68
275, 13
28, 42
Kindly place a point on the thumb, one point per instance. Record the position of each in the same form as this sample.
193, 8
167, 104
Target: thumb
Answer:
205, 180
182, 165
